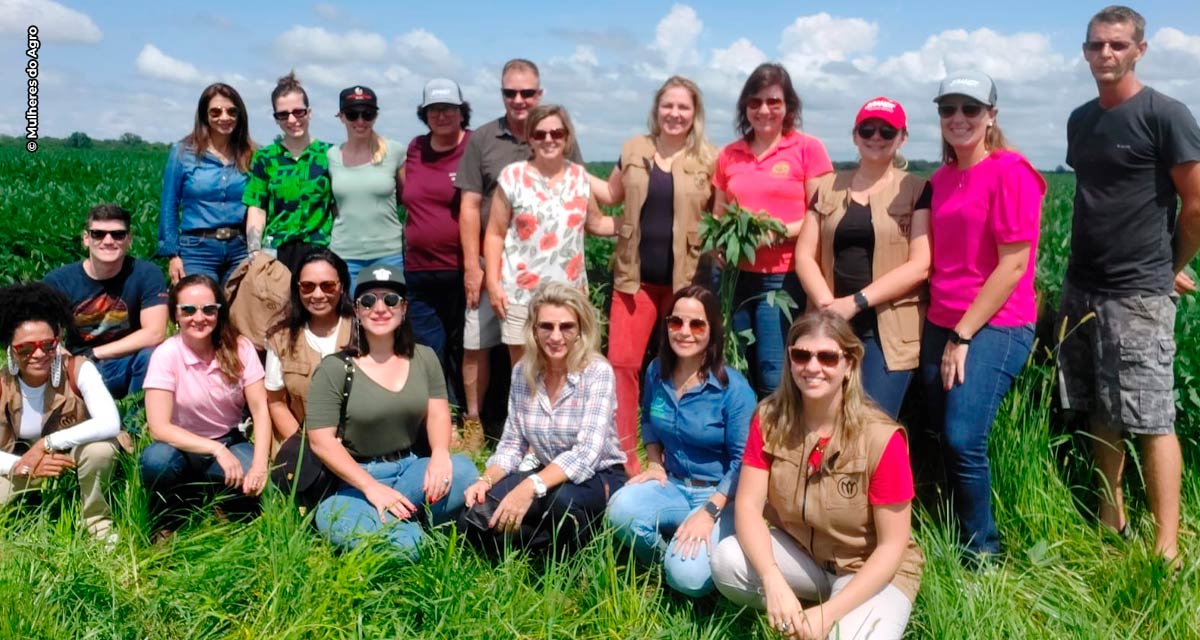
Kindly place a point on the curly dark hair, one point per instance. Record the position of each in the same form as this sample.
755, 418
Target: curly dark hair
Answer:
32, 301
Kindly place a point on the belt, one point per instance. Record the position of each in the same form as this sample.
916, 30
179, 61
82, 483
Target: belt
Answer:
387, 457
220, 233
695, 483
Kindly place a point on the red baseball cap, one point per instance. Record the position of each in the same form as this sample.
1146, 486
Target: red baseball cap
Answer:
884, 109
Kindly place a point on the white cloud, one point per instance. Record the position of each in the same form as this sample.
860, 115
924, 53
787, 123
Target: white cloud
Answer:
1020, 57
420, 49
154, 63
812, 42
54, 21
676, 35
741, 57
1175, 40
326, 11
318, 44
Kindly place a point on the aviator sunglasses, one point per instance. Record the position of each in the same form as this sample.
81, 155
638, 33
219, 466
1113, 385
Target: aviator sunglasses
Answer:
824, 358
215, 112
189, 310
970, 110
565, 328
299, 114
390, 300
694, 325
117, 234
366, 114
528, 94
328, 287
26, 349
868, 131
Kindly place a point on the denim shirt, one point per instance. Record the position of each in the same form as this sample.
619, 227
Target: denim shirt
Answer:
703, 434
208, 192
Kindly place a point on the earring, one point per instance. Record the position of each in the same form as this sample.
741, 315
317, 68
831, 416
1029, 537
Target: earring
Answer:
13, 367
56, 369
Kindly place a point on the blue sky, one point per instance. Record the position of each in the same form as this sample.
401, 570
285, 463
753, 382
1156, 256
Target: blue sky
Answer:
112, 67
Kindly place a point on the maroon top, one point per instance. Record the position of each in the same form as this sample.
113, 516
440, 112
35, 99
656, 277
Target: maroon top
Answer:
431, 230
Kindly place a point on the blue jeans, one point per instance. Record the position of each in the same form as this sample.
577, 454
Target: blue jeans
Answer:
646, 515
347, 517
212, 257
355, 265
965, 414
884, 386
125, 375
436, 306
175, 479
752, 310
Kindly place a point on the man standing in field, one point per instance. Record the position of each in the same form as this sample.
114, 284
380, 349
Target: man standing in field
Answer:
492, 147
119, 303
1134, 151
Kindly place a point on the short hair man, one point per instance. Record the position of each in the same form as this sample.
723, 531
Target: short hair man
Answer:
1133, 150
492, 147
119, 303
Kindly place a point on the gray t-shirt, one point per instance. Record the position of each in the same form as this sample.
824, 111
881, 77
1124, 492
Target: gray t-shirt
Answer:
491, 148
378, 421
1125, 200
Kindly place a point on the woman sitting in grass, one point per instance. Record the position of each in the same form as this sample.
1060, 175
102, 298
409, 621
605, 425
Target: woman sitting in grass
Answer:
830, 473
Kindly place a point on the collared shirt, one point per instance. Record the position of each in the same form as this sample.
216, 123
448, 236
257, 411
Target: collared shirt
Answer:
206, 403
577, 431
703, 433
296, 192
197, 193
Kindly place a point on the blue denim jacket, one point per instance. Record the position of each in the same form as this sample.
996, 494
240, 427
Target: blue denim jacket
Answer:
703, 434
208, 192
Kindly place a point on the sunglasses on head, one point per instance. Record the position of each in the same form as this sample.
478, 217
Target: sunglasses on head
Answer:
555, 134
565, 328
868, 131
824, 358
774, 104
366, 114
328, 287
117, 234
1096, 46
528, 94
299, 114
215, 112
694, 325
189, 310
970, 110
26, 349
390, 300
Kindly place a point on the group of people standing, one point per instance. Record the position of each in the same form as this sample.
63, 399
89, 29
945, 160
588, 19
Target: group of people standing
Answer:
790, 483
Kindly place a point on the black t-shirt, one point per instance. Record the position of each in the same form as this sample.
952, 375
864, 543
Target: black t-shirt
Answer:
1125, 200
657, 226
853, 250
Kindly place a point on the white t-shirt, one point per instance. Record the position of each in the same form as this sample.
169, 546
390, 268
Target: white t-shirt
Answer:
322, 345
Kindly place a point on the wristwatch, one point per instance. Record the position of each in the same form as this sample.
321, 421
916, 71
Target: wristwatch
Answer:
539, 485
712, 509
956, 338
860, 301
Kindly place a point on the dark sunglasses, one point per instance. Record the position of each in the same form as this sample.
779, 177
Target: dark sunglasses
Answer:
970, 110
117, 234
282, 116
542, 134
1096, 46
528, 94
390, 300
365, 114
868, 131
26, 349
824, 358
188, 310
215, 112
565, 328
328, 287
754, 104
695, 325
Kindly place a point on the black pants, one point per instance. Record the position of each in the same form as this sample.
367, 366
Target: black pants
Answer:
437, 303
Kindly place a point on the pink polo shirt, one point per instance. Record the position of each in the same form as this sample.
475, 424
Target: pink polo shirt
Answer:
775, 184
997, 201
205, 402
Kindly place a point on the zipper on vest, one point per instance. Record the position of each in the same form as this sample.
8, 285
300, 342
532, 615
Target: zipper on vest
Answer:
812, 532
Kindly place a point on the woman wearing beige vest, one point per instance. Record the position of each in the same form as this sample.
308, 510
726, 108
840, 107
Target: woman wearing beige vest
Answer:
315, 324
863, 252
830, 473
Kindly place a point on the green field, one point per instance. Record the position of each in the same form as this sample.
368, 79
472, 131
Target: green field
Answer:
1060, 577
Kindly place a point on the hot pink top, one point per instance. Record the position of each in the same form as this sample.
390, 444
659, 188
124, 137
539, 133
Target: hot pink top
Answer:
997, 201
205, 402
775, 184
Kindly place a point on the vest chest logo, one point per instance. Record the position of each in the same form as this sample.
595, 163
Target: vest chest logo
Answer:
847, 487
781, 169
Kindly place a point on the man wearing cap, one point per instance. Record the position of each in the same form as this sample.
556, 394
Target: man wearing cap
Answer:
1134, 151
492, 147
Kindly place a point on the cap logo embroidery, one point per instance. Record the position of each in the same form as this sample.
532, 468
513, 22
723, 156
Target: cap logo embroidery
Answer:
382, 274
965, 81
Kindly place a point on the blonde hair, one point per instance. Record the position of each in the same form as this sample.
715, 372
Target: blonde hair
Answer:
697, 147
782, 413
381, 149
587, 343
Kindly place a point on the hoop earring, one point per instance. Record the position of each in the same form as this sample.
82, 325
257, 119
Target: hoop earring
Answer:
13, 367
56, 369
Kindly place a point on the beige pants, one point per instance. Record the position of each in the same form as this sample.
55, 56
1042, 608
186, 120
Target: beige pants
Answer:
882, 617
94, 463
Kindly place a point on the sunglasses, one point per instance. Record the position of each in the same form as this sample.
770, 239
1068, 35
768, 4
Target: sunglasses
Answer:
117, 234
215, 112
366, 114
1096, 46
555, 134
868, 131
774, 104
695, 325
390, 300
824, 358
528, 94
565, 328
189, 310
299, 114
26, 349
970, 110
328, 287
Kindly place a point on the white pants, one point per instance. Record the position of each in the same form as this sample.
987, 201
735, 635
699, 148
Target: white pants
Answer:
883, 617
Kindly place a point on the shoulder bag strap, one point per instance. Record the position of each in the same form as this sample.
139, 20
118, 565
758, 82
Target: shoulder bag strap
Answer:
346, 386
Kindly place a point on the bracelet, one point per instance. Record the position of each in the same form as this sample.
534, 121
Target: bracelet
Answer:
653, 465
487, 480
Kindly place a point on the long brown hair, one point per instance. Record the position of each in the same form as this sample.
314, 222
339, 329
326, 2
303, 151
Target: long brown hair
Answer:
714, 354
224, 336
765, 75
239, 141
